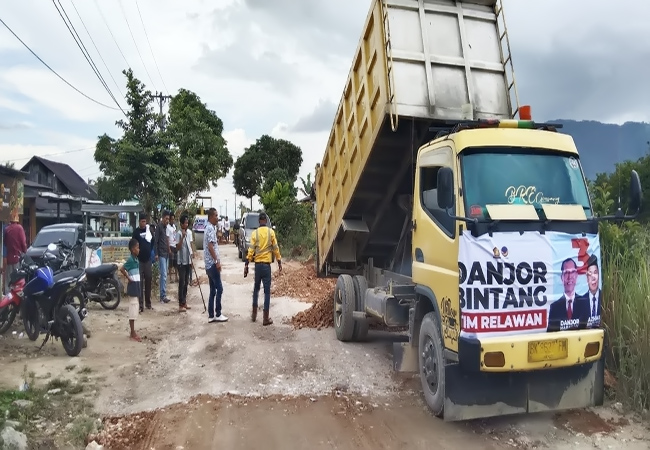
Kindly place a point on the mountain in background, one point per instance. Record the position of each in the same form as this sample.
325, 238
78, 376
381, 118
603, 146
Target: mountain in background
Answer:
602, 145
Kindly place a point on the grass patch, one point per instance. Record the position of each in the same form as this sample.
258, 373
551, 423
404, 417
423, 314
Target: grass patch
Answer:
626, 310
65, 418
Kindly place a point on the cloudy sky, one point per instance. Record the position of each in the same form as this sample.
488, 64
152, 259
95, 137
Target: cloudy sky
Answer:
279, 66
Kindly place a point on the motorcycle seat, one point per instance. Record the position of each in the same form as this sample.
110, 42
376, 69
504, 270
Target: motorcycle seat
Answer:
67, 276
103, 270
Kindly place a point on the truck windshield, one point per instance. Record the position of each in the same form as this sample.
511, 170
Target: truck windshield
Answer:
501, 176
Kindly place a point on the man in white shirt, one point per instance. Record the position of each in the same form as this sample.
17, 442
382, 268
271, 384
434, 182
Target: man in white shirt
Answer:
173, 252
226, 229
593, 294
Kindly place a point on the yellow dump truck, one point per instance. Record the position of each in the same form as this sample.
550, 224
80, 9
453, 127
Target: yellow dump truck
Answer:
442, 207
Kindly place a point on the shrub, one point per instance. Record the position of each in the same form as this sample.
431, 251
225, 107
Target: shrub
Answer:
294, 221
626, 310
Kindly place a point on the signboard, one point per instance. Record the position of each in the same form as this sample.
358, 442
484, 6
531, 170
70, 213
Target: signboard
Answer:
115, 249
11, 195
514, 283
93, 256
199, 223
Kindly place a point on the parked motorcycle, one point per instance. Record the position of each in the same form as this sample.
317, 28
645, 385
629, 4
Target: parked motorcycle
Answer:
10, 303
44, 306
101, 284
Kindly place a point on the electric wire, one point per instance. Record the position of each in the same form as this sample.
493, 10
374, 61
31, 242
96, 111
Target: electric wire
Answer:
52, 154
111, 32
136, 44
84, 51
150, 48
96, 49
54, 71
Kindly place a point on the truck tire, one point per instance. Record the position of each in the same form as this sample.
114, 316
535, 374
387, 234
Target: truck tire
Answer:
360, 326
432, 364
344, 302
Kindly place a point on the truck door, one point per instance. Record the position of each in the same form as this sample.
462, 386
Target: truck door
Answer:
435, 242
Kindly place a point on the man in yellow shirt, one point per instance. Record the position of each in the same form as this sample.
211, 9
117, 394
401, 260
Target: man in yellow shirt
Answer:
263, 246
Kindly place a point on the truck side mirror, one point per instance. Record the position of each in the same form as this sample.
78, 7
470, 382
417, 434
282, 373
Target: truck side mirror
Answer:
445, 188
636, 194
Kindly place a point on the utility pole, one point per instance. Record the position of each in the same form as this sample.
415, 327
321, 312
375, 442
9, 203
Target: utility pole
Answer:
226, 207
161, 99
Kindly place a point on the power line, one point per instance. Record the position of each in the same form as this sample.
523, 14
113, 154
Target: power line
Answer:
112, 35
51, 154
151, 49
54, 71
97, 49
84, 51
136, 44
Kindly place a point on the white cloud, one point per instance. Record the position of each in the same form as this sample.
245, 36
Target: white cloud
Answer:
12, 105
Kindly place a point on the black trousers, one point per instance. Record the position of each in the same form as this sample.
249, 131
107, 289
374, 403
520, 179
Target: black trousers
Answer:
146, 277
183, 282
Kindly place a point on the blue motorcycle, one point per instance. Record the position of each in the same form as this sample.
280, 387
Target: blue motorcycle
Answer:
44, 307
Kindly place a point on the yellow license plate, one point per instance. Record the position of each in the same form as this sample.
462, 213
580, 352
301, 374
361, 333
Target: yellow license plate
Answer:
550, 350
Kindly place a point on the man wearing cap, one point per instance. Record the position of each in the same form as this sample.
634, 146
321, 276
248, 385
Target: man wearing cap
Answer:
15, 242
262, 248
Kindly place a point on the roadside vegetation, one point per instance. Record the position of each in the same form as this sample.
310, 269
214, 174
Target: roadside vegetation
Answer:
51, 413
625, 249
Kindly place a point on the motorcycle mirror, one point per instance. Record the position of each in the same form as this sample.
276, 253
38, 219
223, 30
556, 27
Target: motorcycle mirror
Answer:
51, 247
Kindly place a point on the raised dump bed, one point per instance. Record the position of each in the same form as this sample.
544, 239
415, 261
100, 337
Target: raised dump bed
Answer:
420, 66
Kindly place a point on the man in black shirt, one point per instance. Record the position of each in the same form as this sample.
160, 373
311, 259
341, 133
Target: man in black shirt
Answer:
145, 238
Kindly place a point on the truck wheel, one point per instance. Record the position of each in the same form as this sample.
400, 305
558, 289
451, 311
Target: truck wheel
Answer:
360, 326
432, 364
344, 302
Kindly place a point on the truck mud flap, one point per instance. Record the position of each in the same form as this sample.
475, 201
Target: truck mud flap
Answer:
474, 395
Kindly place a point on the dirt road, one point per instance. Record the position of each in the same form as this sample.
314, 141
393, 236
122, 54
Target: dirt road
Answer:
238, 385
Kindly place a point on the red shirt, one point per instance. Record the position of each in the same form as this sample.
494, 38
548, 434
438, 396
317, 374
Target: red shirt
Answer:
15, 241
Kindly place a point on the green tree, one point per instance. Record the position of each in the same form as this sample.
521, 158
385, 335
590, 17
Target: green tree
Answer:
306, 185
10, 165
258, 161
135, 165
247, 178
200, 153
274, 176
277, 197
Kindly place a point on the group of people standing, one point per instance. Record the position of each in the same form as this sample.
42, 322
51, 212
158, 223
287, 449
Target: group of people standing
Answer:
174, 249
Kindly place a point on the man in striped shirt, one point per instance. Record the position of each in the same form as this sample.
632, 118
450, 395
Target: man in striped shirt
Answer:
213, 268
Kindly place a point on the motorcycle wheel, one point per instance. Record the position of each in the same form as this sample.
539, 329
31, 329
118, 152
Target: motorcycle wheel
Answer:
70, 330
111, 288
76, 299
7, 317
30, 321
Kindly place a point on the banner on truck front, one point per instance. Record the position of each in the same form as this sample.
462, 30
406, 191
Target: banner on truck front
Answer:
512, 283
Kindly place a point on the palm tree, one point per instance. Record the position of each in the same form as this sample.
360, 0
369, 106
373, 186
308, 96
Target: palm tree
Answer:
10, 165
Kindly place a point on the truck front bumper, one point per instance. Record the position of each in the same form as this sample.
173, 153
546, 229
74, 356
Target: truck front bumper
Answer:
525, 374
